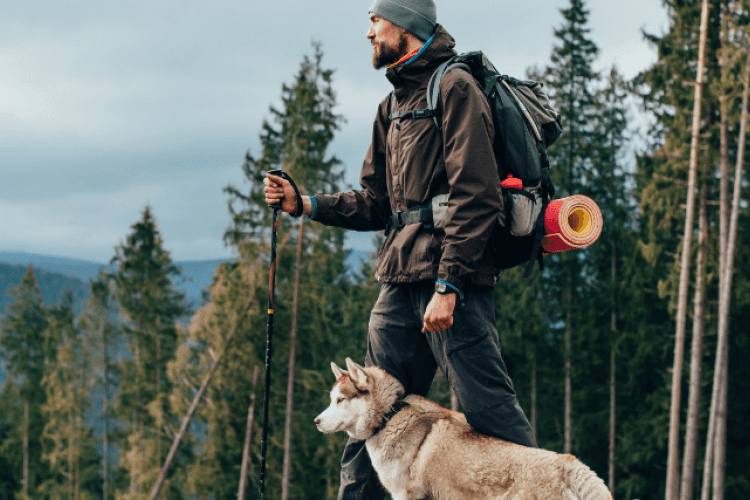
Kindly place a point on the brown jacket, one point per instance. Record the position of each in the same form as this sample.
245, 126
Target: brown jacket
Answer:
409, 162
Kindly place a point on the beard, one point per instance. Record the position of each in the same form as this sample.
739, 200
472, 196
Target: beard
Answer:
384, 55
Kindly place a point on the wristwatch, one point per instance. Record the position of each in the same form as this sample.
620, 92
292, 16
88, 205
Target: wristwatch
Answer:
444, 288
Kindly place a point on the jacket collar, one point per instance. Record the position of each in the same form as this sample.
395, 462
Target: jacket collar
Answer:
406, 78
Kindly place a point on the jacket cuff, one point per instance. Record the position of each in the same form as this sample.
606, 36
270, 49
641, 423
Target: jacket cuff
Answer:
320, 205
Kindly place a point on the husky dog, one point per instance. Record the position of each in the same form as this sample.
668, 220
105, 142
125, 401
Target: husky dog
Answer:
421, 450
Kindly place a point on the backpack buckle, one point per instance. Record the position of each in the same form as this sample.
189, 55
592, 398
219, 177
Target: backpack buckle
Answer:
397, 222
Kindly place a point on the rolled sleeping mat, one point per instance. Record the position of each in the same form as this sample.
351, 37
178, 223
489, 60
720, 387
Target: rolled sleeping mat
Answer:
571, 223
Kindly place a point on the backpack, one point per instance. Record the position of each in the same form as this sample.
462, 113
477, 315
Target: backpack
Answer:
525, 125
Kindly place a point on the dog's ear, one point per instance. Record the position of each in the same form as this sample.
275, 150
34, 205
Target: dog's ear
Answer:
337, 372
357, 374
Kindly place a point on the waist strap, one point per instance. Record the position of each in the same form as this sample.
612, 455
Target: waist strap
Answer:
420, 214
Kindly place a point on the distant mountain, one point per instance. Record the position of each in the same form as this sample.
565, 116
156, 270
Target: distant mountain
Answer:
75, 268
52, 285
61, 273
196, 275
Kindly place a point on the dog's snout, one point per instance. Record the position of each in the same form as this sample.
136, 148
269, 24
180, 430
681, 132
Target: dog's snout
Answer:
317, 420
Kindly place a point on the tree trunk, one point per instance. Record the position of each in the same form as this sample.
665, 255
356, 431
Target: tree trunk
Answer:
613, 377
158, 386
721, 371
71, 460
533, 395
290, 380
723, 229
137, 411
105, 416
248, 439
79, 435
567, 447
696, 359
720, 433
673, 460
723, 180
188, 418
26, 448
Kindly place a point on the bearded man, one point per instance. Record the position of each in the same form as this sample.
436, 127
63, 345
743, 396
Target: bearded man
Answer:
435, 308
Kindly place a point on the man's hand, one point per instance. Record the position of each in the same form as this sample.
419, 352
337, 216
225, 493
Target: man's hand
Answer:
280, 190
439, 313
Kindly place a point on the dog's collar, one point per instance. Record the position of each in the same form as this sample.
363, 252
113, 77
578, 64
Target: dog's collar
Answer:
397, 407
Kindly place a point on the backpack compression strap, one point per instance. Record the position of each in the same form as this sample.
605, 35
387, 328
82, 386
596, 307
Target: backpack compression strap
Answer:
414, 114
548, 191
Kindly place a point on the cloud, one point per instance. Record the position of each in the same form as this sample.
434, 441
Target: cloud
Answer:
190, 212
105, 106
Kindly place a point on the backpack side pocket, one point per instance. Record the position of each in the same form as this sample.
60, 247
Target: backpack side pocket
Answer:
524, 207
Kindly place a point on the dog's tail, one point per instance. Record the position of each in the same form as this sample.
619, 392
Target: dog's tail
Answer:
584, 484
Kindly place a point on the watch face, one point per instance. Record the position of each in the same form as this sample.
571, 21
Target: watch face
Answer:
441, 288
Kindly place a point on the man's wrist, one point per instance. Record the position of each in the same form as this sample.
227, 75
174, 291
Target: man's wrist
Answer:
444, 288
306, 206
444, 285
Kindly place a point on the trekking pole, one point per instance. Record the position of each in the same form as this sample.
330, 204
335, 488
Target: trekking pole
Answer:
269, 331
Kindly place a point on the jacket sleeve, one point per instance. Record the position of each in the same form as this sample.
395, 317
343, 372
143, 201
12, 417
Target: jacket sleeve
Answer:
474, 186
368, 208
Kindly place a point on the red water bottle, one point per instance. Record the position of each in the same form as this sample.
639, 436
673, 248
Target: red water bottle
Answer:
512, 182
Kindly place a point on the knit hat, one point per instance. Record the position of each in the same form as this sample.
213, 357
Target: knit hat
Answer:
415, 16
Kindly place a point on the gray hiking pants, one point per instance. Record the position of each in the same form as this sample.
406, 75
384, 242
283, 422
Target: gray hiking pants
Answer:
468, 353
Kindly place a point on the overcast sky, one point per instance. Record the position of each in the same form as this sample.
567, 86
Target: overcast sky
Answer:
108, 106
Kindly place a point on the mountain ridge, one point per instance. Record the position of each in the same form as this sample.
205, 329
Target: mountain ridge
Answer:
195, 278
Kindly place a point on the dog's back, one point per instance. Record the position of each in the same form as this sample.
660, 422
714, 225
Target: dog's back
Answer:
454, 461
426, 451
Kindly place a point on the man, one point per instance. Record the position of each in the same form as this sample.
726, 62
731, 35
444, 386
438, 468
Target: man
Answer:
436, 305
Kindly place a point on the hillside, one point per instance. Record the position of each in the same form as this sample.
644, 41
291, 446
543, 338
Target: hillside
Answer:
53, 285
57, 274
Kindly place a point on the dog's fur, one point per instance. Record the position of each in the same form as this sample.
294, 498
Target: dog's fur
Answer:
425, 451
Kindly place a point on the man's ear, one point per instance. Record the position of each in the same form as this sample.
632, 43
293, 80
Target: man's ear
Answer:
358, 375
337, 372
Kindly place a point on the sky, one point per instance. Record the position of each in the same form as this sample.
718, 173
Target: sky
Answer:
106, 107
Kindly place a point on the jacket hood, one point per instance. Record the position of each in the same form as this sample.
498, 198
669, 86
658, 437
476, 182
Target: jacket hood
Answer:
419, 71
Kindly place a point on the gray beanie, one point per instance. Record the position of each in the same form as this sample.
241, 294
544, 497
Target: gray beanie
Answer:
415, 16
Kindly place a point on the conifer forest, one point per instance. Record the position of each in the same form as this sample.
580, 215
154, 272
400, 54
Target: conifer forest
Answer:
631, 354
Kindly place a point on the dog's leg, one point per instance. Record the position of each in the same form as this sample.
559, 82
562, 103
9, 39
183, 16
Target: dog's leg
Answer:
402, 495
407, 493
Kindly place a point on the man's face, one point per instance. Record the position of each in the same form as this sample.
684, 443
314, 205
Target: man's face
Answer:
388, 41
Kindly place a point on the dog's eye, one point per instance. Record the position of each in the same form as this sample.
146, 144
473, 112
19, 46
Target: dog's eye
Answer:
340, 400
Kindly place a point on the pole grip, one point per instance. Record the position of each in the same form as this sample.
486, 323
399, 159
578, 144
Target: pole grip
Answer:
284, 175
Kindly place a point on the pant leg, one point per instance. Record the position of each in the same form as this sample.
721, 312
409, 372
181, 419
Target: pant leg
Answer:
469, 355
359, 481
395, 343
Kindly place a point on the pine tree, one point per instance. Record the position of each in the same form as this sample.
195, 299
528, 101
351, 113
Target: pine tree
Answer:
611, 187
100, 334
27, 350
70, 447
664, 170
330, 323
151, 306
572, 84
10, 440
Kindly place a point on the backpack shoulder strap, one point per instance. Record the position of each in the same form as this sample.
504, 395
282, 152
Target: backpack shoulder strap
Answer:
433, 87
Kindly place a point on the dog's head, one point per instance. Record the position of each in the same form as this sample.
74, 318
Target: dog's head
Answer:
351, 399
